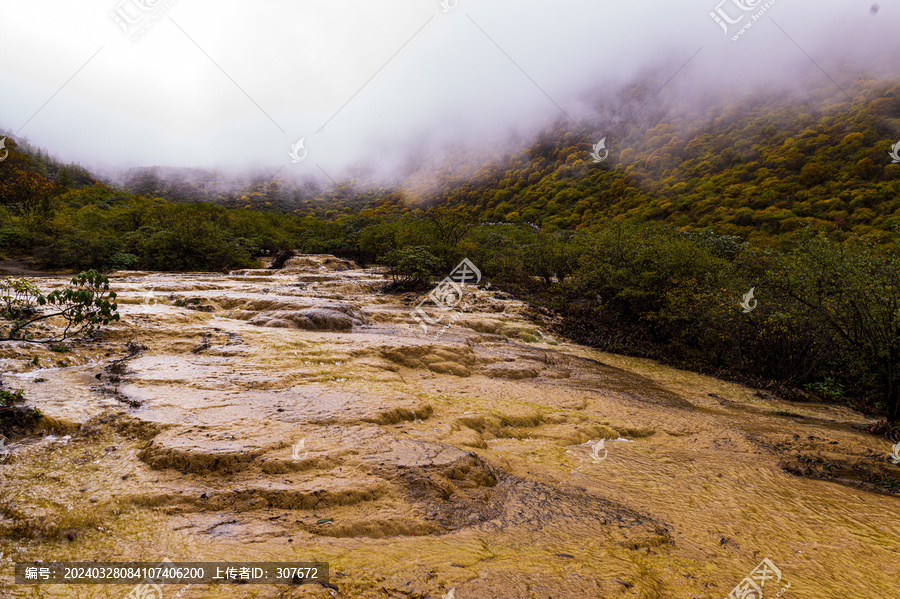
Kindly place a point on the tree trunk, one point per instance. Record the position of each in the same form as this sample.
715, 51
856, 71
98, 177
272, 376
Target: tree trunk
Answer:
892, 394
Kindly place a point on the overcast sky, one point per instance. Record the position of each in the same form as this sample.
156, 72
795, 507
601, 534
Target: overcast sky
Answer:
235, 84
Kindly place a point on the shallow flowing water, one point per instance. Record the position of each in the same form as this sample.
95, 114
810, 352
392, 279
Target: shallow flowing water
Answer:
302, 415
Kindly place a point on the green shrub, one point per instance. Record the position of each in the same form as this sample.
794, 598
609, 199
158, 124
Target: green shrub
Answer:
123, 261
84, 306
193, 245
412, 267
14, 238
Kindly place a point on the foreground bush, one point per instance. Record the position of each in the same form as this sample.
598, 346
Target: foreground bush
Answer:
77, 310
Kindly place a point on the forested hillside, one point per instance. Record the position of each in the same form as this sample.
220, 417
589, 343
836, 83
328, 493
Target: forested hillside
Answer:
758, 166
649, 251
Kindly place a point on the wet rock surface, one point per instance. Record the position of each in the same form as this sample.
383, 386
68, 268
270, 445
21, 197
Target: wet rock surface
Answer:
303, 415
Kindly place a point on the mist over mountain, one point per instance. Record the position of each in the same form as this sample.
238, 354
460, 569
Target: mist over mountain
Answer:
392, 89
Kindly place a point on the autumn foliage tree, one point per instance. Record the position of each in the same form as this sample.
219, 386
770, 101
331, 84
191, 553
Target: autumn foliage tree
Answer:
22, 189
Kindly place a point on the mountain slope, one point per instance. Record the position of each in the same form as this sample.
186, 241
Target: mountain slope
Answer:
757, 166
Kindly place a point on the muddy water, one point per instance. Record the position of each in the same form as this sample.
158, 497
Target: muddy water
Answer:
461, 460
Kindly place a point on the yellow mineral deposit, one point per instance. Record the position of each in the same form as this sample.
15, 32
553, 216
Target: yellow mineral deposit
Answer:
427, 462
